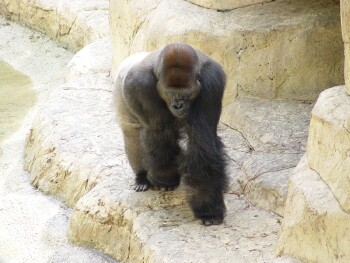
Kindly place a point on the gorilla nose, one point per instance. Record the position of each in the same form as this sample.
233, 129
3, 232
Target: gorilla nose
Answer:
178, 105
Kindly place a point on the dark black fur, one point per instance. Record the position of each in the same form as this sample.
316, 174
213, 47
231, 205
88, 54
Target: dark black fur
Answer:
202, 166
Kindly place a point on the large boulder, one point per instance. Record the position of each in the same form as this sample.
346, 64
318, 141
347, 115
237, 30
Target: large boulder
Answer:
69, 148
329, 142
315, 227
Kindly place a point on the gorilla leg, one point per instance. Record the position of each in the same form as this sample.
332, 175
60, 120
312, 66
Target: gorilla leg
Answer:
134, 153
161, 150
131, 132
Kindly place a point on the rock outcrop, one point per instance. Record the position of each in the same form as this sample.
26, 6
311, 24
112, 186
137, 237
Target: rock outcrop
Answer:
315, 227
329, 142
74, 23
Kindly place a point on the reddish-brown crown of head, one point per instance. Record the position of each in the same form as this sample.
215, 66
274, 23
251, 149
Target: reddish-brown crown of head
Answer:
179, 65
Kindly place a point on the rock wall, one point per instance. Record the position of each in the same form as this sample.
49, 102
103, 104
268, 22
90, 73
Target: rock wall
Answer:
345, 21
74, 23
329, 142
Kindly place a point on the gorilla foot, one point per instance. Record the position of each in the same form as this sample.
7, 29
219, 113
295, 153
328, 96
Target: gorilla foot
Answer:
166, 183
141, 182
209, 211
165, 188
212, 221
141, 187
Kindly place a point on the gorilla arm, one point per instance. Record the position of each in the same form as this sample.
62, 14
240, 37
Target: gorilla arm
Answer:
159, 135
204, 169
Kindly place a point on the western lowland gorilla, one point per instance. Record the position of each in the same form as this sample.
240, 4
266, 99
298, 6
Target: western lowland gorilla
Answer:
160, 96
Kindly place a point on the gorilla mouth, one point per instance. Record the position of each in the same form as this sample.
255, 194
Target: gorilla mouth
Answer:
179, 115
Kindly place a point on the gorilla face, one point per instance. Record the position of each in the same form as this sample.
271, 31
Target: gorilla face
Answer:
179, 99
178, 73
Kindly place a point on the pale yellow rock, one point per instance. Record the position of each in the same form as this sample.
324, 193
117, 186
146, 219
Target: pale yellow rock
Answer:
329, 142
74, 23
315, 228
345, 19
226, 4
347, 66
284, 49
345, 23
159, 227
54, 167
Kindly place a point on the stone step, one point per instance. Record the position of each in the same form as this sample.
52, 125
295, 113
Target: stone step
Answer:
74, 23
315, 227
274, 136
159, 227
283, 49
271, 125
74, 139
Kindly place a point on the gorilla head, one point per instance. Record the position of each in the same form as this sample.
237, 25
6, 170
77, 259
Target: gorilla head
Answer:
178, 83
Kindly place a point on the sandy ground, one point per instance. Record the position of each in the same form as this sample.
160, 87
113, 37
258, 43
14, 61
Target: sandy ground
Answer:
33, 226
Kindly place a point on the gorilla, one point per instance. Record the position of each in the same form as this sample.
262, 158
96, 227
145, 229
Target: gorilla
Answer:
161, 97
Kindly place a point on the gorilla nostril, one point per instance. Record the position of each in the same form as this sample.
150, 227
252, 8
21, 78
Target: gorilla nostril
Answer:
179, 105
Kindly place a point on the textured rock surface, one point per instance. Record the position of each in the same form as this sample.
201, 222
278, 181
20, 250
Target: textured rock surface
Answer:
283, 49
274, 134
345, 22
69, 170
74, 23
345, 19
347, 66
33, 226
226, 4
274, 125
122, 223
315, 227
329, 142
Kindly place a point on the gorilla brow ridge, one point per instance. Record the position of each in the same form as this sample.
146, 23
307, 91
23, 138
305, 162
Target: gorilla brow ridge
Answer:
178, 65
181, 56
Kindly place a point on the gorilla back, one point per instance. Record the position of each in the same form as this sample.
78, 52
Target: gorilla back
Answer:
160, 95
